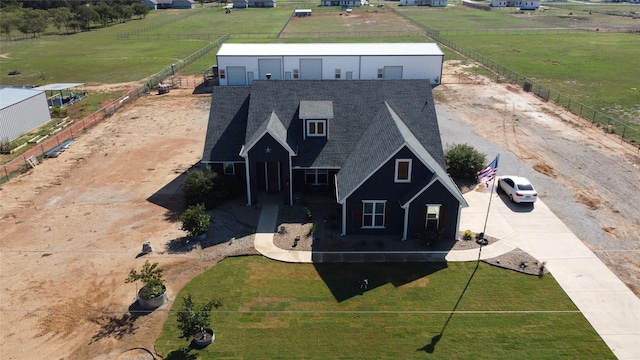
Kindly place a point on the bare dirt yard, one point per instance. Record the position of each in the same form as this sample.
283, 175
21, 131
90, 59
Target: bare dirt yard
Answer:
73, 227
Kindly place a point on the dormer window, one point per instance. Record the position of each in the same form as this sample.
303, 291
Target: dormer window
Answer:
316, 128
403, 170
316, 116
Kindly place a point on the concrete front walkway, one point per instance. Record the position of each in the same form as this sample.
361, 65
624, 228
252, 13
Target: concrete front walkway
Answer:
611, 308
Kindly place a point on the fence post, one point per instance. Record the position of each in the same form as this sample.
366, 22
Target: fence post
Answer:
42, 149
5, 172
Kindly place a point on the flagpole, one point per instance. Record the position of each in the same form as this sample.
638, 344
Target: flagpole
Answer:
493, 183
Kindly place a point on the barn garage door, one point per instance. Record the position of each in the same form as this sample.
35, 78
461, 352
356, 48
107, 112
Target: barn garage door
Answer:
311, 69
236, 75
393, 72
270, 66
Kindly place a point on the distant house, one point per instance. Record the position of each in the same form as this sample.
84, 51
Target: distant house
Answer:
521, 4
241, 64
432, 3
21, 110
242, 4
374, 145
344, 3
169, 4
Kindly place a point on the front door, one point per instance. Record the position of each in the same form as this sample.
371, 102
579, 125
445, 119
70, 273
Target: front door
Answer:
273, 176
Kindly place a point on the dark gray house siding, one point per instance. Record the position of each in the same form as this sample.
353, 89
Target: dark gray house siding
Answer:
382, 186
269, 171
435, 194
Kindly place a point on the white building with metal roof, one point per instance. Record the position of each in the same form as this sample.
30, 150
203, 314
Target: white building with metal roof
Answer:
21, 110
240, 64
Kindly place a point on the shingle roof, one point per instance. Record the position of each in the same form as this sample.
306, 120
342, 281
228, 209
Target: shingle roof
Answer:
227, 124
372, 120
274, 127
355, 104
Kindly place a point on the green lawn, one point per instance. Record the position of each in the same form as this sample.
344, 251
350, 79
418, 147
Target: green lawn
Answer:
277, 310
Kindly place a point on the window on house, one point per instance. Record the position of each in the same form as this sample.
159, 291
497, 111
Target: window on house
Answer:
229, 169
380, 73
337, 73
373, 214
316, 128
433, 217
296, 73
316, 176
403, 170
222, 73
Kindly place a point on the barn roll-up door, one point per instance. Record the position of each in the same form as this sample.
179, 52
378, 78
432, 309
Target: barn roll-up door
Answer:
236, 75
270, 66
393, 73
311, 69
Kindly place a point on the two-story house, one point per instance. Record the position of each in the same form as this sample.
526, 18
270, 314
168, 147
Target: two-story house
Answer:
374, 144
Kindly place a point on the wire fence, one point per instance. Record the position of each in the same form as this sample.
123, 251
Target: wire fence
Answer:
537, 31
629, 133
22, 163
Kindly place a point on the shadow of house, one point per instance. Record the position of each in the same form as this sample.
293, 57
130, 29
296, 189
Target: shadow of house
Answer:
171, 197
345, 280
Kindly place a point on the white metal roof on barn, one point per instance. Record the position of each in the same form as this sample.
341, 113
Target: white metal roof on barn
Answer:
12, 96
61, 86
331, 49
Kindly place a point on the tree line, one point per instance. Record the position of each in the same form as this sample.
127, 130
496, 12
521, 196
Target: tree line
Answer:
32, 18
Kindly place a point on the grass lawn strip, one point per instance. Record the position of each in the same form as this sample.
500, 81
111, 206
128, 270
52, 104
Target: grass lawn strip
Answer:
277, 310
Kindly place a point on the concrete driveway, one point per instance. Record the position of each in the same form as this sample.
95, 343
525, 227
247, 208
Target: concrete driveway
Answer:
605, 301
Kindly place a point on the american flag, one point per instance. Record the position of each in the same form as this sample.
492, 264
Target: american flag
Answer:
487, 174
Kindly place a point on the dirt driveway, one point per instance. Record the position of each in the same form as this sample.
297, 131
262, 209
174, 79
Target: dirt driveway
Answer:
71, 228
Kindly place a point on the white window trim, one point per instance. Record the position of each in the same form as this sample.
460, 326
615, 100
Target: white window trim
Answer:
384, 214
426, 221
296, 73
316, 121
224, 168
338, 73
408, 179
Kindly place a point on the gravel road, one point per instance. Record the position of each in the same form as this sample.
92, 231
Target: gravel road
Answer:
588, 179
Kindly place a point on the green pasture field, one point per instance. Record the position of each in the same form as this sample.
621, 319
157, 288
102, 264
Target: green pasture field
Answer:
592, 68
602, 7
214, 21
572, 63
97, 56
463, 18
275, 310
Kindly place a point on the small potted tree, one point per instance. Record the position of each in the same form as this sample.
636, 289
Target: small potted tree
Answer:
196, 221
153, 292
193, 321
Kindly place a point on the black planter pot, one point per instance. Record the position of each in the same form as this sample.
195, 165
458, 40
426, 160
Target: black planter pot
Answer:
204, 338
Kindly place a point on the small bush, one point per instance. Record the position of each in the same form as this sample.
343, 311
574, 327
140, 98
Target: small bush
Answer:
464, 162
468, 235
208, 188
195, 220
